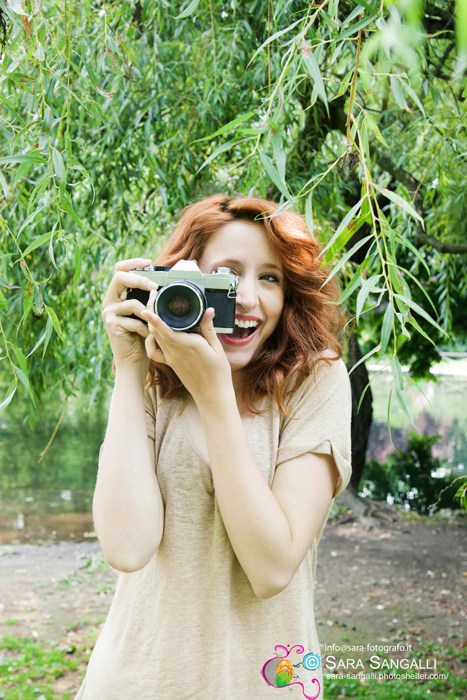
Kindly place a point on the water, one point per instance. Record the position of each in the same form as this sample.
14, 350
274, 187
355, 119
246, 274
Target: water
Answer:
437, 408
50, 500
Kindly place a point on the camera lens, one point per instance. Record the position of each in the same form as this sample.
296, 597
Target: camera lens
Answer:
181, 305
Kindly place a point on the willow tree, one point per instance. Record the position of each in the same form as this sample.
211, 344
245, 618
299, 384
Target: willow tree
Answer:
116, 115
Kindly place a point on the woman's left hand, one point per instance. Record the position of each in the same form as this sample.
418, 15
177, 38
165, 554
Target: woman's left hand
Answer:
198, 359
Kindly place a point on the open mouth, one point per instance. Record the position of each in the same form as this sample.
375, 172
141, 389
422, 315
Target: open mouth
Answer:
243, 329
243, 333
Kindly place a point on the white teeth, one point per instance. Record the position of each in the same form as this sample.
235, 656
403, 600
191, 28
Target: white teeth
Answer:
245, 324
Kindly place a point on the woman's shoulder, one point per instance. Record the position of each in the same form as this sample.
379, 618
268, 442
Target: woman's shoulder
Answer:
326, 371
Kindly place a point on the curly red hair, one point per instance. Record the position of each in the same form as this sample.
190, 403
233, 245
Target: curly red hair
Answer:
311, 320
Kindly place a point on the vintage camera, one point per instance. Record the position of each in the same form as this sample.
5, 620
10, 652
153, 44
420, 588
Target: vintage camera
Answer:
185, 293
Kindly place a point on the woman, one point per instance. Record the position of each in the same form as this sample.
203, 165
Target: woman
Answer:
215, 481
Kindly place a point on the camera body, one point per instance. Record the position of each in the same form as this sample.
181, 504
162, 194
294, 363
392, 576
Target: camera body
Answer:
185, 293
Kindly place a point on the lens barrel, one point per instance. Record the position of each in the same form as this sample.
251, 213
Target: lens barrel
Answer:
180, 305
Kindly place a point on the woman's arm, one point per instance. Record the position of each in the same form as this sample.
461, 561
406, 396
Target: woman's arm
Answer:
127, 507
270, 529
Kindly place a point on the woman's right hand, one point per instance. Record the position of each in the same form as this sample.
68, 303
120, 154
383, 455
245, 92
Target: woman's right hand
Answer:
127, 335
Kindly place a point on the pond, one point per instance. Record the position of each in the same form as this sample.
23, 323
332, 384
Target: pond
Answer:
50, 499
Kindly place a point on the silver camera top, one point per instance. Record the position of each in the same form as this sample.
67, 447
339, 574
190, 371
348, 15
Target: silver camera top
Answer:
188, 270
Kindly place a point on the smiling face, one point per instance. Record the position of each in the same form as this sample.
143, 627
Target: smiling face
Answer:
245, 247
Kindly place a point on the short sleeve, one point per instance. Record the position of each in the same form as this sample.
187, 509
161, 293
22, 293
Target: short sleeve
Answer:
150, 411
319, 419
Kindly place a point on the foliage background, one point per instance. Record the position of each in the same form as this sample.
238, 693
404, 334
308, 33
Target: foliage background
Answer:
116, 115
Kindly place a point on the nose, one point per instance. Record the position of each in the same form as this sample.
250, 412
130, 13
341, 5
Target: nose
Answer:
247, 294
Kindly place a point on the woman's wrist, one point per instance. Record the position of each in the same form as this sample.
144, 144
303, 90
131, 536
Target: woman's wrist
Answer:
217, 404
131, 373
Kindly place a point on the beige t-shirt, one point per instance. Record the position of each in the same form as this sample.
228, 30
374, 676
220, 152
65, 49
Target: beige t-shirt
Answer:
188, 624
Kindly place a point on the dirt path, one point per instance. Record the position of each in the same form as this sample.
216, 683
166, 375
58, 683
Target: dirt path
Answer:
406, 579
403, 581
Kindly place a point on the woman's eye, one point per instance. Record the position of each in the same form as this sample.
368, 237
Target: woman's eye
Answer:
270, 277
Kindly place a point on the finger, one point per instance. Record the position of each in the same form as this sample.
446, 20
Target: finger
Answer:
153, 351
129, 307
127, 280
116, 324
131, 263
206, 327
158, 326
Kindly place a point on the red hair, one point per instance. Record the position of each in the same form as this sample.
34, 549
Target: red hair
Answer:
311, 320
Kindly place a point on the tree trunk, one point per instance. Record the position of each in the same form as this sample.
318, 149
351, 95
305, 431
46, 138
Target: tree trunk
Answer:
361, 417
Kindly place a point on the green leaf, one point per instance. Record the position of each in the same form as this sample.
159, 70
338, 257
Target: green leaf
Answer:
413, 95
343, 224
22, 158
188, 10
55, 322
400, 395
461, 26
48, 335
421, 312
375, 130
364, 140
354, 282
40, 186
78, 264
364, 358
221, 149
10, 392
404, 241
309, 214
274, 175
66, 204
398, 94
348, 255
413, 321
37, 243
397, 373
5, 188
276, 35
59, 165
38, 344
28, 220
419, 285
52, 254
39, 53
20, 358
313, 69
358, 25
280, 156
369, 286
400, 201
24, 381
227, 127
366, 5
387, 327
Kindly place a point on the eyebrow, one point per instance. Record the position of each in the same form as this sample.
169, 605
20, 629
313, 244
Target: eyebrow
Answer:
231, 261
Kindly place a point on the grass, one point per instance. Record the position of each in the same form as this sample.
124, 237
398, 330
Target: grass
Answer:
31, 670
449, 661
